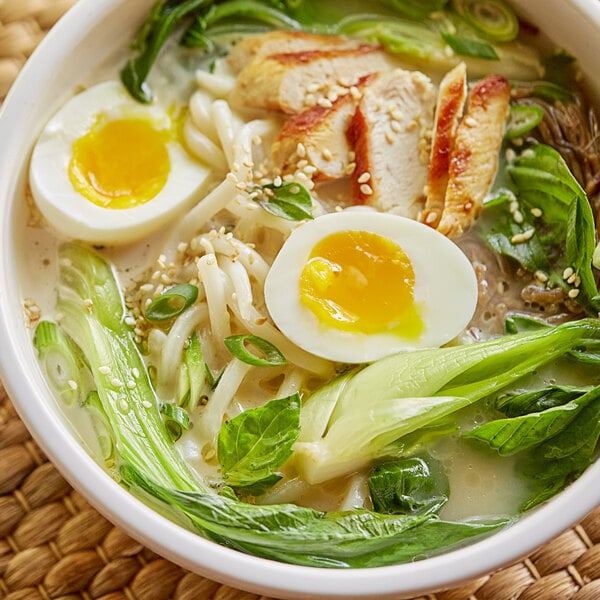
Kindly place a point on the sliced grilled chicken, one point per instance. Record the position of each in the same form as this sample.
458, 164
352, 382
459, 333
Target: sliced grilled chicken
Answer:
474, 158
449, 110
390, 134
282, 42
292, 82
316, 138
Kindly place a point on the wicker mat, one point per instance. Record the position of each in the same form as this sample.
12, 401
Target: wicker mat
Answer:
53, 544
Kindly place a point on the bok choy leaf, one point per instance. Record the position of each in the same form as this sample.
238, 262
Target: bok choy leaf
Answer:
364, 414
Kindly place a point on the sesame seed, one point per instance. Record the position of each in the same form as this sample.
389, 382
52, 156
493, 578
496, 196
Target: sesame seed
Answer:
351, 156
301, 150
573, 293
350, 168
116, 382
147, 404
364, 178
72, 384
519, 238
312, 88
326, 154
536, 212
517, 216
325, 103
366, 189
260, 320
147, 287
88, 303
135, 372
431, 217
310, 169
571, 280
302, 163
568, 272
529, 153
470, 122
277, 181
389, 136
397, 127
123, 405
577, 281
510, 155
231, 178
541, 276
131, 384
104, 370
130, 321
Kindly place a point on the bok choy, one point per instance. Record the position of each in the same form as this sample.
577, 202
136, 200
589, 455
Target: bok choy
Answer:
364, 414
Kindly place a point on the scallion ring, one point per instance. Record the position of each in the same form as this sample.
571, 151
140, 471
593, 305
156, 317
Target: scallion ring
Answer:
172, 303
492, 19
176, 420
523, 118
238, 346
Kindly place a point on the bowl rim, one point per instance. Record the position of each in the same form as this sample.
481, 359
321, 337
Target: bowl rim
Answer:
179, 545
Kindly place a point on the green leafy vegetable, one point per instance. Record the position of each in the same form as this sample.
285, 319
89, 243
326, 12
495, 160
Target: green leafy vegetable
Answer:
290, 533
290, 201
413, 485
492, 19
253, 445
517, 404
172, 303
62, 362
165, 16
523, 118
404, 392
238, 345
556, 229
177, 419
469, 47
556, 444
150, 465
192, 374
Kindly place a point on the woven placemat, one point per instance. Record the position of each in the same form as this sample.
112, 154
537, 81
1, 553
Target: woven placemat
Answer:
53, 544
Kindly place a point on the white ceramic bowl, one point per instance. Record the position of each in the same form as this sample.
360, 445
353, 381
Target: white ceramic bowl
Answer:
79, 43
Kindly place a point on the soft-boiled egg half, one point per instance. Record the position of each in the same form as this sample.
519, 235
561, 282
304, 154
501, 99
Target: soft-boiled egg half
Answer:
109, 170
358, 285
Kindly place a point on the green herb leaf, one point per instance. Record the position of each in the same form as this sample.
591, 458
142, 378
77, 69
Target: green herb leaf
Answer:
469, 47
290, 201
409, 486
253, 445
563, 235
163, 20
238, 346
176, 419
172, 303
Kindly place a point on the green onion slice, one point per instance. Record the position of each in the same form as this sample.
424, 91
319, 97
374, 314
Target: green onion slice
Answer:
523, 118
176, 419
238, 346
469, 47
492, 19
172, 302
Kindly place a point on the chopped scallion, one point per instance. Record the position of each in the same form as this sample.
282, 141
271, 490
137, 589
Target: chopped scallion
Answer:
172, 303
238, 346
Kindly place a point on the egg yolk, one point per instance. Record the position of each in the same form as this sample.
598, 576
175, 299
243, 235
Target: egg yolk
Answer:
361, 282
121, 163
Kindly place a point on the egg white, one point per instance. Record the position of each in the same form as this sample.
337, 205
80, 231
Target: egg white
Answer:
79, 218
445, 290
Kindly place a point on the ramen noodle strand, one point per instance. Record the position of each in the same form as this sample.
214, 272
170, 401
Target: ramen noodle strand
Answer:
219, 85
211, 419
292, 383
213, 281
200, 107
242, 287
228, 127
235, 249
203, 147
